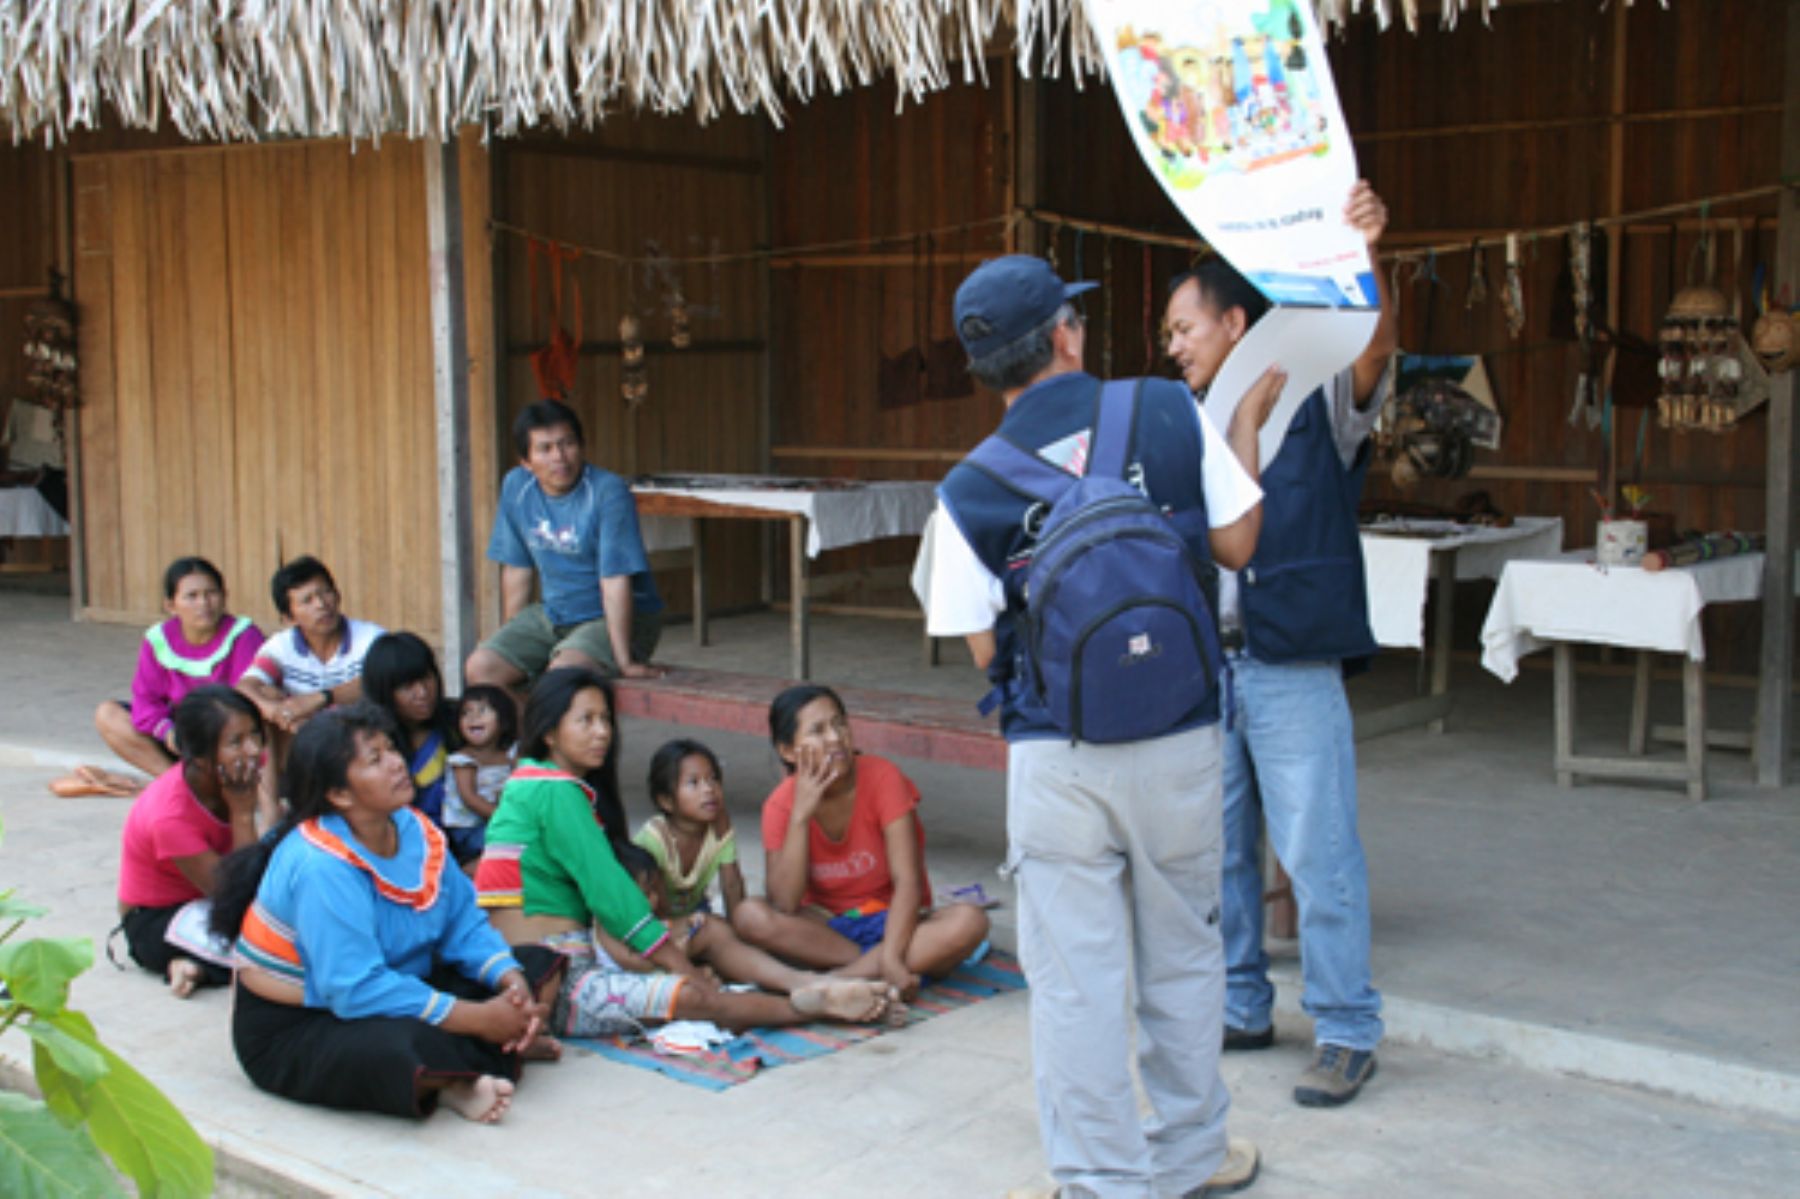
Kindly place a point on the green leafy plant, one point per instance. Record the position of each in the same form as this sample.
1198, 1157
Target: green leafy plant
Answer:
95, 1108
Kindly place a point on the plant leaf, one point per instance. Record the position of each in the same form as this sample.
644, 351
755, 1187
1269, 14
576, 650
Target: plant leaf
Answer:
18, 909
42, 1158
146, 1136
71, 1055
38, 972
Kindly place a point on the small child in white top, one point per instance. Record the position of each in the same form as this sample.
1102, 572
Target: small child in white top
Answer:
488, 721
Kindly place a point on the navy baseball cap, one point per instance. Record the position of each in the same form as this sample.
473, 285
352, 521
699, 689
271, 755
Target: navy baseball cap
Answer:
1003, 299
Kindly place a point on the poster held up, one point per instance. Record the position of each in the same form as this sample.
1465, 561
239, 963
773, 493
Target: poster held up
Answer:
1233, 108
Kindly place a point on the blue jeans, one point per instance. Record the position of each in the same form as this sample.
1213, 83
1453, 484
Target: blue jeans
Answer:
1290, 760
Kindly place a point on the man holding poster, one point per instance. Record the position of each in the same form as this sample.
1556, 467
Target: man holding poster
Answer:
1289, 621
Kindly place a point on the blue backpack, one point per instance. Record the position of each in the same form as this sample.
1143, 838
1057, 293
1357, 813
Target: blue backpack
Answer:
1118, 640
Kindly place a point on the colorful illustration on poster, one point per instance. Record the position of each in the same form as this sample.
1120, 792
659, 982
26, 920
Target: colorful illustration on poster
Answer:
1234, 102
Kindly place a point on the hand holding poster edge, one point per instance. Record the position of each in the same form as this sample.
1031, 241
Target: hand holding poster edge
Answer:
1232, 105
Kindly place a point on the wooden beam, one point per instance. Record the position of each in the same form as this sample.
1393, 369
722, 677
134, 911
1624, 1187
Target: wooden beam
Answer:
1774, 701
866, 454
450, 378
564, 148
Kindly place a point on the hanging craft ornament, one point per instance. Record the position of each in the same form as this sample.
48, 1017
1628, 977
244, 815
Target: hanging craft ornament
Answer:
1512, 297
1588, 400
50, 357
634, 375
1710, 377
554, 364
1478, 284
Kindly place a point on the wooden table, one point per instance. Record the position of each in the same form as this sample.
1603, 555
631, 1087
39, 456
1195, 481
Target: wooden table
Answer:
26, 516
830, 515
1565, 601
1402, 569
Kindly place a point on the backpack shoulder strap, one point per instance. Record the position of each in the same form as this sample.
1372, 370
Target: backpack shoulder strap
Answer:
1019, 470
1114, 427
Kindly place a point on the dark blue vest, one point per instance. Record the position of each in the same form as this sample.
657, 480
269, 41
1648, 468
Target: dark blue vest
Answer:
1000, 524
1303, 597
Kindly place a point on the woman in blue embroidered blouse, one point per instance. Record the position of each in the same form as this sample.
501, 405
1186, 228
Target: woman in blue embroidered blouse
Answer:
367, 977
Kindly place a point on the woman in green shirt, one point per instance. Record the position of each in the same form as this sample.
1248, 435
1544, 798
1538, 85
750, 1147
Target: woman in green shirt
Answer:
550, 876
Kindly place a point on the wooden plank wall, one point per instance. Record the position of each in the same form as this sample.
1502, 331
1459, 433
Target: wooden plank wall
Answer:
848, 168
688, 190
257, 327
1537, 63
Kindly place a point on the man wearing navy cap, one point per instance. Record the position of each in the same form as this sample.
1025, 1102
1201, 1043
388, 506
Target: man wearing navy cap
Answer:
1115, 847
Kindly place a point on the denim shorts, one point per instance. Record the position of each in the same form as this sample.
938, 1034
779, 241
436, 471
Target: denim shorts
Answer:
866, 931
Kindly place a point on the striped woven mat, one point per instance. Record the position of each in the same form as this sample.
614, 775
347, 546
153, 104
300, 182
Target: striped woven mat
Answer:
744, 1057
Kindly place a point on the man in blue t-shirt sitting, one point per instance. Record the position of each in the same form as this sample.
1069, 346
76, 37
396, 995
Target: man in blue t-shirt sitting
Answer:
575, 528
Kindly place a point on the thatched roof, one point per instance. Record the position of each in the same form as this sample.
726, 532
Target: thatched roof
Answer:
254, 68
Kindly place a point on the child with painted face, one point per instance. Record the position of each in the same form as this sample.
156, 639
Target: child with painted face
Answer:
848, 890
488, 722
195, 813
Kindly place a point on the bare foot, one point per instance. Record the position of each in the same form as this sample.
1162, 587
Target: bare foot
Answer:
853, 1000
184, 976
484, 1100
545, 1048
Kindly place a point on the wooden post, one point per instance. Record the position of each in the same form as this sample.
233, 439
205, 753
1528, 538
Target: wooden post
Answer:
1639, 738
799, 625
450, 376
1775, 701
1564, 707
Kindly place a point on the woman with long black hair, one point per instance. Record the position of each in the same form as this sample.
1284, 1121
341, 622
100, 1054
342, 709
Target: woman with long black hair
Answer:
368, 979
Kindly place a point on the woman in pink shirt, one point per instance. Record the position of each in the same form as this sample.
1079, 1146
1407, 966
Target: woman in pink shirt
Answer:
200, 643
195, 813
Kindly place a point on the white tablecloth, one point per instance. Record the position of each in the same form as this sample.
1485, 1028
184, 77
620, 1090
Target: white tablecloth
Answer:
1398, 568
23, 513
835, 517
1570, 599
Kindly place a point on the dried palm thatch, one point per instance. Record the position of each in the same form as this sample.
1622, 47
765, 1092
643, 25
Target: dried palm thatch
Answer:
236, 69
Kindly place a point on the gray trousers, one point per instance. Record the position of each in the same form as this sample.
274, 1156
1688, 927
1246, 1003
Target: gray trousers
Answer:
1116, 850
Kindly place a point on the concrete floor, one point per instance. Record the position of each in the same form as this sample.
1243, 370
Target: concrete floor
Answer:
1618, 933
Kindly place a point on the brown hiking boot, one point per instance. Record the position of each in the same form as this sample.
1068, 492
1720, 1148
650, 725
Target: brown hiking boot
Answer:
1337, 1073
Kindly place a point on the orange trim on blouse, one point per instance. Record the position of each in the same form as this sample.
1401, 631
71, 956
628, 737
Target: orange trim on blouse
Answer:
419, 898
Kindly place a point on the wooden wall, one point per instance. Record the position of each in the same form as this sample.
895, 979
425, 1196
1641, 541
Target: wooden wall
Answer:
258, 383
1550, 75
639, 186
848, 168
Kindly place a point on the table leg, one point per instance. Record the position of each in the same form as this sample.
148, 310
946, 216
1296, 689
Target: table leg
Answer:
1640, 705
699, 534
797, 625
1443, 628
1565, 713
1693, 695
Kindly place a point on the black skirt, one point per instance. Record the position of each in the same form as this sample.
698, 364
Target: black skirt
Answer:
395, 1066
146, 936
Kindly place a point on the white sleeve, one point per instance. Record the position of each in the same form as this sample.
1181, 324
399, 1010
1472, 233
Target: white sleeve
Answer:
1230, 491
961, 596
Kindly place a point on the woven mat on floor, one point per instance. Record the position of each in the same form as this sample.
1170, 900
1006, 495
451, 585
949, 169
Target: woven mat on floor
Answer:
744, 1057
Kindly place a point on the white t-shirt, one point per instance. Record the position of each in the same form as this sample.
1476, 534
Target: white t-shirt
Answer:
286, 661
961, 596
